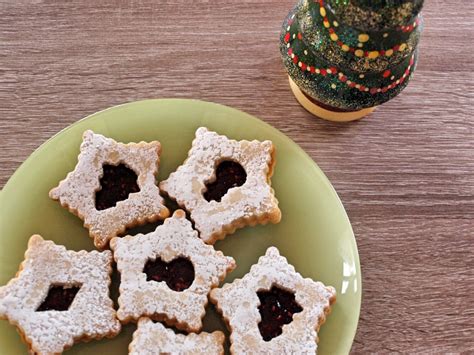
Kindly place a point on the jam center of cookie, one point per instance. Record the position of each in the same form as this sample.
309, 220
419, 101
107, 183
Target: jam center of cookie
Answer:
276, 308
178, 273
229, 174
117, 182
59, 298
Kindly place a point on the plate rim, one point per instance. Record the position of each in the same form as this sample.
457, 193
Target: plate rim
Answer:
276, 131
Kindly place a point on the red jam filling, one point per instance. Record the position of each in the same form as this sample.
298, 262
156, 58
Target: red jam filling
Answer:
178, 273
59, 298
276, 308
117, 182
229, 174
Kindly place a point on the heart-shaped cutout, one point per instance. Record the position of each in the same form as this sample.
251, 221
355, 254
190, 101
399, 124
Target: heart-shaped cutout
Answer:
59, 298
276, 308
228, 174
117, 182
178, 273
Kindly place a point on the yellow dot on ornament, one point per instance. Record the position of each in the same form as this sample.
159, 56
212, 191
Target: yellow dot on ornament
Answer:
359, 53
403, 46
373, 54
333, 86
361, 76
385, 35
360, 45
345, 48
334, 37
322, 11
335, 24
389, 52
363, 37
326, 24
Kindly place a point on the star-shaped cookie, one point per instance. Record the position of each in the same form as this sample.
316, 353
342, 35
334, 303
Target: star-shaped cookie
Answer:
112, 187
153, 338
60, 296
273, 309
225, 184
167, 274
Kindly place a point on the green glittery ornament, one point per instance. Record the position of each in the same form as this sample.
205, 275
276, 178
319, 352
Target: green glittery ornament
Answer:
348, 56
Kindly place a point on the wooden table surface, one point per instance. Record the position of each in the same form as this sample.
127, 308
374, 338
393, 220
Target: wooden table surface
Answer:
405, 174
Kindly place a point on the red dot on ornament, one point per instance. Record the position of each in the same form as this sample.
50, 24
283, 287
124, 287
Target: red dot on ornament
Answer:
373, 91
407, 72
362, 88
303, 66
396, 48
331, 30
382, 52
323, 72
384, 89
290, 51
352, 49
287, 37
366, 54
295, 59
333, 70
311, 69
386, 73
300, 36
412, 60
343, 78
339, 43
352, 84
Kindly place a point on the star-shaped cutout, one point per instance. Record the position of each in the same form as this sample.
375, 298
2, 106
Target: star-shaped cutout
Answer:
163, 290
225, 184
60, 296
240, 304
129, 196
153, 338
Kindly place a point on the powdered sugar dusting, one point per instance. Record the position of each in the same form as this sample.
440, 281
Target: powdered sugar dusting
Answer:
77, 191
153, 338
175, 238
238, 302
90, 316
253, 202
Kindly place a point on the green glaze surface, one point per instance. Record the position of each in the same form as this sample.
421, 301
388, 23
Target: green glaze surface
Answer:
315, 233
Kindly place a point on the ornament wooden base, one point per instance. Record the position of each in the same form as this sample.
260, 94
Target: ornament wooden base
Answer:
315, 109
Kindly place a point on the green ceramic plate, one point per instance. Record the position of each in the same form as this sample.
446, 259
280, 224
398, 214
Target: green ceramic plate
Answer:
314, 234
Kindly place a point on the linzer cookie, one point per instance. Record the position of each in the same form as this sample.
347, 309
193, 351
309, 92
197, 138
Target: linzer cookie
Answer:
167, 274
112, 187
225, 184
273, 309
59, 297
153, 338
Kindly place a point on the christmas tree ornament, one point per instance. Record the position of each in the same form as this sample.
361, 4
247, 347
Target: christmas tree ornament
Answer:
345, 57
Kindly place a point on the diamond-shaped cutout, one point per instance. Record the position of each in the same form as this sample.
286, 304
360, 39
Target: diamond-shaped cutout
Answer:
117, 182
59, 298
277, 307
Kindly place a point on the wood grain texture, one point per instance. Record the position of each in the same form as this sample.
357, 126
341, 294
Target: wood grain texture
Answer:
405, 174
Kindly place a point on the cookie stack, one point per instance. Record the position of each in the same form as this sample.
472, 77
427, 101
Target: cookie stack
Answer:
60, 296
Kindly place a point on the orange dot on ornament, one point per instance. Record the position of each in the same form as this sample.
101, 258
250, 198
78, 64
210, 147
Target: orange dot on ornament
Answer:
359, 52
389, 52
326, 24
363, 37
334, 37
345, 47
373, 54
386, 73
